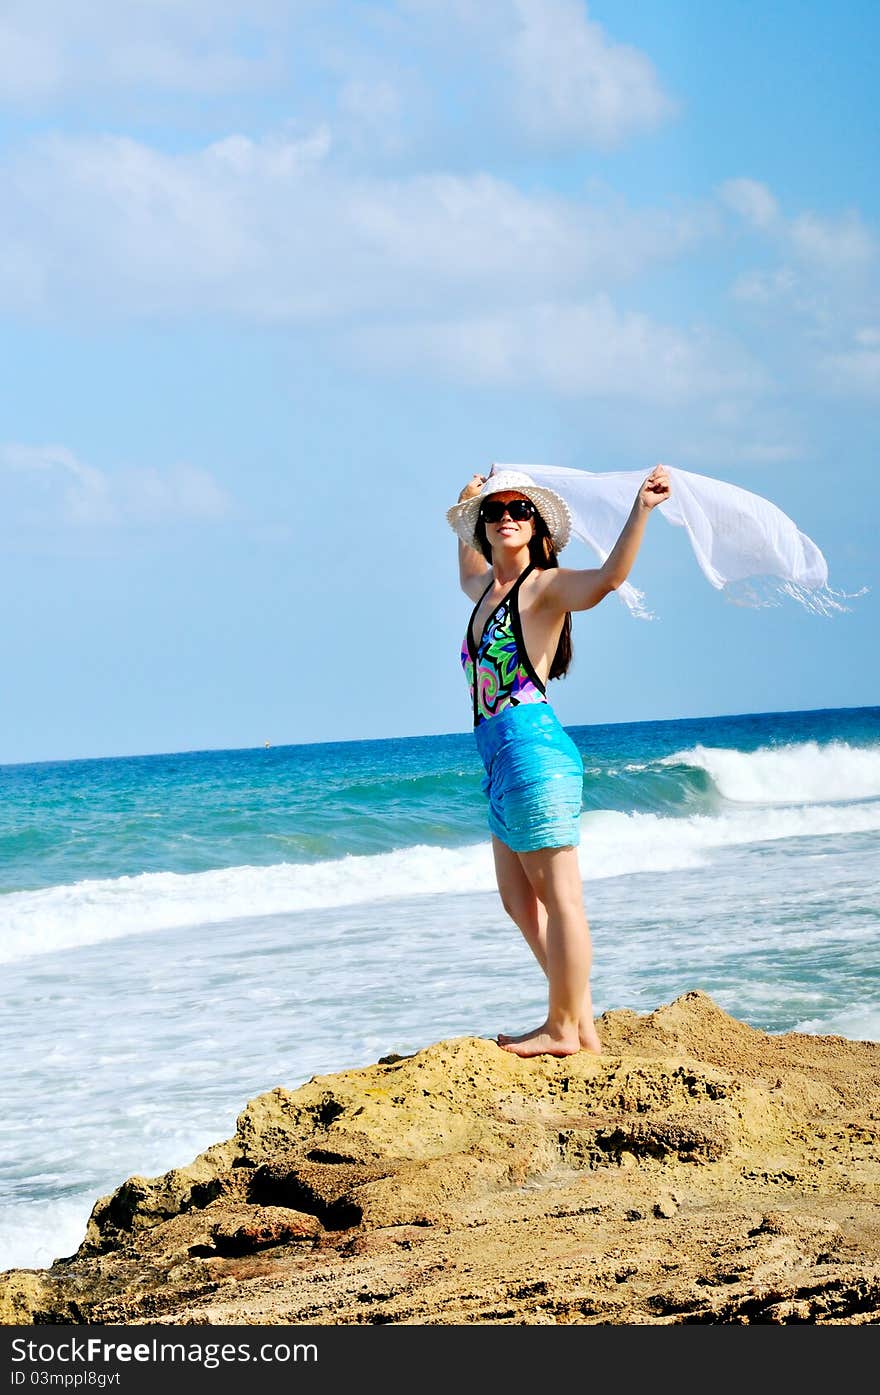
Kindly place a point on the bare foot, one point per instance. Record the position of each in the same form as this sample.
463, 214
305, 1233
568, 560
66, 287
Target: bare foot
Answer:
541, 1043
587, 1036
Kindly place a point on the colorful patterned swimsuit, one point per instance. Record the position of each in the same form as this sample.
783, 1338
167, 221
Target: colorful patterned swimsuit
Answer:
498, 670
534, 771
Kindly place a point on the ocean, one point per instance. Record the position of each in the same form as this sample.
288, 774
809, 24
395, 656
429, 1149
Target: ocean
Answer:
182, 932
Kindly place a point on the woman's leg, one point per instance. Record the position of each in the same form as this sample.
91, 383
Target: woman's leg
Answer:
529, 912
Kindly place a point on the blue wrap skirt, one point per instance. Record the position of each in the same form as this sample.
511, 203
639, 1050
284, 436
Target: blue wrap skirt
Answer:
534, 778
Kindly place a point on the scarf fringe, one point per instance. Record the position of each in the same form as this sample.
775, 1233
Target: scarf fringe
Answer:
634, 600
759, 593
763, 592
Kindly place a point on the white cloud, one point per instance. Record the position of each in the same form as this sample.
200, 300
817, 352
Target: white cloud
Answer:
767, 452
31, 64
275, 160
160, 64
49, 47
764, 287
834, 244
853, 372
571, 82
56, 482
751, 200
815, 300
369, 102
540, 69
706, 447
589, 349
270, 230
181, 491
371, 119
49, 484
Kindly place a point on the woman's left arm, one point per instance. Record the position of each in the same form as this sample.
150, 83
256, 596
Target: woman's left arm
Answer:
580, 590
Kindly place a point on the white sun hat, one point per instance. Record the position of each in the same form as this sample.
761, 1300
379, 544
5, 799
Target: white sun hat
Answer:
550, 505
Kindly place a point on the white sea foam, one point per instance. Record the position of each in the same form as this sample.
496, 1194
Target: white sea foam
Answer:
802, 772
35, 1233
859, 1023
617, 844
613, 844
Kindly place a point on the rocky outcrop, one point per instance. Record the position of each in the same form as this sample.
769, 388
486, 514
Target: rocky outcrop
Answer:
699, 1171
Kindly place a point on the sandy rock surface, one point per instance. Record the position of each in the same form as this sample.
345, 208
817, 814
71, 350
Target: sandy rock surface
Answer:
699, 1171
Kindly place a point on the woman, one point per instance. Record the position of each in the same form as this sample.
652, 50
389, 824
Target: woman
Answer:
518, 637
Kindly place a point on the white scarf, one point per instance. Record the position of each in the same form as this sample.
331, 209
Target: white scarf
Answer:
743, 543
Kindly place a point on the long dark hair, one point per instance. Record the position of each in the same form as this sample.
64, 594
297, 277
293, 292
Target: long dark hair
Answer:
543, 554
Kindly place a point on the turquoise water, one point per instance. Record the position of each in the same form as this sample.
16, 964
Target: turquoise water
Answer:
61, 821
182, 932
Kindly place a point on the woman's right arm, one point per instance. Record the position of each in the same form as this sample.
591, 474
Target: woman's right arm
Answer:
580, 590
473, 570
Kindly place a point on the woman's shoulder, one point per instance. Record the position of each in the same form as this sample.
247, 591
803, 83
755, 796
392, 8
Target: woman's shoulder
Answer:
475, 587
539, 580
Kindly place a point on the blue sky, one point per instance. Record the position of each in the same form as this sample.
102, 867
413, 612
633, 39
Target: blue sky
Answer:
276, 278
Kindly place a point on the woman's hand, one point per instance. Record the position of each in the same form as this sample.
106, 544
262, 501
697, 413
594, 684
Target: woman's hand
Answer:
656, 488
473, 486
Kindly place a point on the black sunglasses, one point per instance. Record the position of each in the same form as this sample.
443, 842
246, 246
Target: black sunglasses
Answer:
518, 510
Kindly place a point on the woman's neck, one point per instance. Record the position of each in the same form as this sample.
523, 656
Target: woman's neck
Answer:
507, 566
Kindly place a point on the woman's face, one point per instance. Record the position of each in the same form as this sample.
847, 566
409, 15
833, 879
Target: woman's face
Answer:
509, 532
